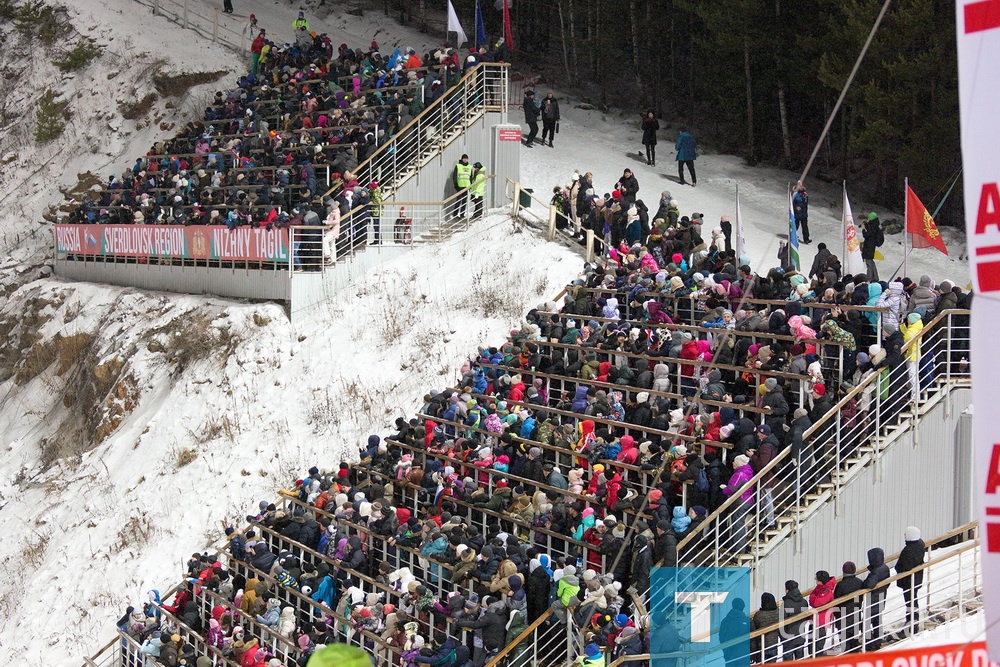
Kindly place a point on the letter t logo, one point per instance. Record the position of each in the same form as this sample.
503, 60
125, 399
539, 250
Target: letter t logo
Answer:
701, 611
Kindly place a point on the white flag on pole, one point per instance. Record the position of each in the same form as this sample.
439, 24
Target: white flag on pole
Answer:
741, 239
853, 262
455, 26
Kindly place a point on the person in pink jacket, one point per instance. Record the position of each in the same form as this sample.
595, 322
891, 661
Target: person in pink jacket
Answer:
742, 473
822, 594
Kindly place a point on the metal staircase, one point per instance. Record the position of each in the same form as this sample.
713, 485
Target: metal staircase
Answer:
852, 438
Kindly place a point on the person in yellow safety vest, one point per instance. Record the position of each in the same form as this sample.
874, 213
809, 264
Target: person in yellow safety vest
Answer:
478, 190
461, 178
592, 656
300, 22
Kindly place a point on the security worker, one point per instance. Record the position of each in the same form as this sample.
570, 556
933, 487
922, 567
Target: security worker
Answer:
300, 22
478, 190
462, 179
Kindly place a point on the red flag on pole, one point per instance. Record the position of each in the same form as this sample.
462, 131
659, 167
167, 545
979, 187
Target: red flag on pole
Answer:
508, 36
921, 225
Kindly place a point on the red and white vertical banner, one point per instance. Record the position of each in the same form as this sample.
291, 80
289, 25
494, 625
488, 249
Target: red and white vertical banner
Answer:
978, 26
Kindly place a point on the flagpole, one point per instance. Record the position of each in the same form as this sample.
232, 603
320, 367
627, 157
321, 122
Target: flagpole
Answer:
843, 224
738, 223
906, 211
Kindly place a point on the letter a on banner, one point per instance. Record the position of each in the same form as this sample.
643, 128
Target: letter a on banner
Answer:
978, 26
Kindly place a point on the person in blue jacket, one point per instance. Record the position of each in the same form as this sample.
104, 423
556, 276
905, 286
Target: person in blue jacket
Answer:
687, 153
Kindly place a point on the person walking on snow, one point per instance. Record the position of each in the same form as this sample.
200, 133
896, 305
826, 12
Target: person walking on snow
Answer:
800, 205
687, 153
531, 111
300, 22
227, 6
550, 117
251, 29
649, 127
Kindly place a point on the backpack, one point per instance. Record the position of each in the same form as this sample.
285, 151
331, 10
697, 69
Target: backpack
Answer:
702, 483
879, 236
238, 547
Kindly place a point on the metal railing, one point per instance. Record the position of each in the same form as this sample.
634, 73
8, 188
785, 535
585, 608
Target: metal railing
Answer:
870, 619
482, 89
852, 436
185, 14
546, 641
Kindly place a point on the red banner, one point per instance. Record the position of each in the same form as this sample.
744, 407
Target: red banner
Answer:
214, 242
952, 655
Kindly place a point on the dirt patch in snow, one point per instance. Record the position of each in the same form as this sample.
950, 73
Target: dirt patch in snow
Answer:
175, 85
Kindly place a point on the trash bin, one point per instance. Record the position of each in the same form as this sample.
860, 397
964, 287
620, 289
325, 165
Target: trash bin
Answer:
526, 197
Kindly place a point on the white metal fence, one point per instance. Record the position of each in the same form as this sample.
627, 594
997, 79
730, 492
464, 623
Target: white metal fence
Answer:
191, 16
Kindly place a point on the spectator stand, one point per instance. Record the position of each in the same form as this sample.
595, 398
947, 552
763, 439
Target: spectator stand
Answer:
865, 421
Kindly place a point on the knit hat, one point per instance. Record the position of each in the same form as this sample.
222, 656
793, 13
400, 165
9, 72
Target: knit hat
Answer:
740, 461
642, 397
765, 429
621, 620
819, 390
770, 384
799, 412
913, 318
911, 534
592, 651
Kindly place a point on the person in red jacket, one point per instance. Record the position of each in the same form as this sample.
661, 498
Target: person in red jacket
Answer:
255, 49
689, 350
629, 453
821, 595
516, 389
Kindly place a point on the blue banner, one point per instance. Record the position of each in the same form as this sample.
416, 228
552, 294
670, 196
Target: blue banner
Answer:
699, 616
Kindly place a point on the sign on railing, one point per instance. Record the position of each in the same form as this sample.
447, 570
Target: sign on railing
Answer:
174, 242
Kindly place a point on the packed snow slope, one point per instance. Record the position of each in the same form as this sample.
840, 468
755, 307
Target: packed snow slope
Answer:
134, 422
605, 143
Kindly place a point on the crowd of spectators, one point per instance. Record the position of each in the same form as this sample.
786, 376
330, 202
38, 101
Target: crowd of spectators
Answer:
567, 462
298, 124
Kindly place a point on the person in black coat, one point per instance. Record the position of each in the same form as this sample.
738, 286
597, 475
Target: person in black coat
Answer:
537, 589
910, 558
531, 111
642, 562
848, 610
793, 604
628, 186
736, 625
493, 624
665, 546
649, 127
878, 572
550, 116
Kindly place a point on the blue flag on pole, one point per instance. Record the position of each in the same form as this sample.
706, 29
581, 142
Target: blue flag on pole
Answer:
480, 27
793, 237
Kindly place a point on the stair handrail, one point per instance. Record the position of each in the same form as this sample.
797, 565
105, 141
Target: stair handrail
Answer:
714, 517
511, 645
813, 611
470, 76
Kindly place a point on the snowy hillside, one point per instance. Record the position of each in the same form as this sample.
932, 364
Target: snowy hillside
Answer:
135, 422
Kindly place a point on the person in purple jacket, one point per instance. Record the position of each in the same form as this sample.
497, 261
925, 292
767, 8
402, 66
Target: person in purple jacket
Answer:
742, 473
